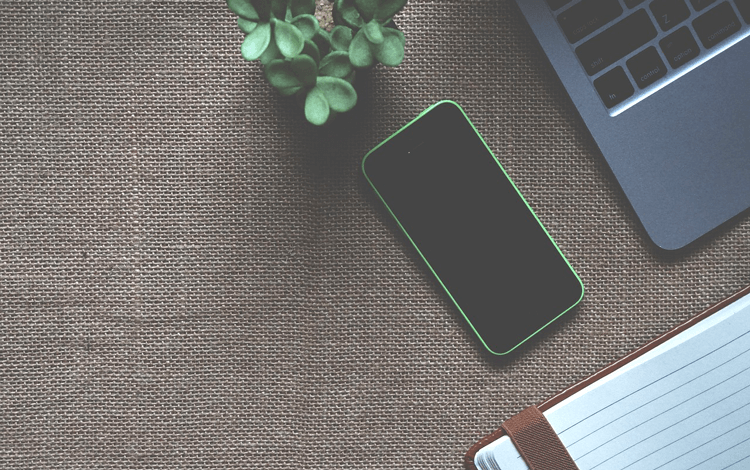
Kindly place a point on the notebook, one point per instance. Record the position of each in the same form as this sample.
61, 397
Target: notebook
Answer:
662, 87
680, 402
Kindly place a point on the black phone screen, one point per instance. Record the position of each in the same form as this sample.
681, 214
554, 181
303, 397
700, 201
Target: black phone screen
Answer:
473, 228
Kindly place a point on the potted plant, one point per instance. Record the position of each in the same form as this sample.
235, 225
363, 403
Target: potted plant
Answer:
316, 66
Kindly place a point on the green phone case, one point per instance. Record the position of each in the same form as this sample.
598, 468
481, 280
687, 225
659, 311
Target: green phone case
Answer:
425, 259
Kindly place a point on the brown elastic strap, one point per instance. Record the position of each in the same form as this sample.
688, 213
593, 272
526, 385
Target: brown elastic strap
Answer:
537, 442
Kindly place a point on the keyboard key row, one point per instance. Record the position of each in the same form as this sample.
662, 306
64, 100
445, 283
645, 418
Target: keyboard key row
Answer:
588, 16
647, 66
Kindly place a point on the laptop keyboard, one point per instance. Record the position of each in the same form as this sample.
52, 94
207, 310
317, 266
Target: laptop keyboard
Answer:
632, 48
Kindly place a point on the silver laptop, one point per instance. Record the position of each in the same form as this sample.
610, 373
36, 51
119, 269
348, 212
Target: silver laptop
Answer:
664, 88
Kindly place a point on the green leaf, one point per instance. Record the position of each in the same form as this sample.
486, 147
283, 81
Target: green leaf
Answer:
391, 52
353, 18
288, 38
344, 12
256, 42
312, 50
246, 26
316, 107
341, 37
302, 7
305, 69
374, 32
397, 32
307, 24
336, 64
322, 39
339, 93
299, 71
289, 91
271, 53
367, 8
243, 8
359, 51
280, 74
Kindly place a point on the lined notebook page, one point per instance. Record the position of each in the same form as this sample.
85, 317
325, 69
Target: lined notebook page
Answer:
683, 405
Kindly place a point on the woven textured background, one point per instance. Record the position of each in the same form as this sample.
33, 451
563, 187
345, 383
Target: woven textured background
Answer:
191, 276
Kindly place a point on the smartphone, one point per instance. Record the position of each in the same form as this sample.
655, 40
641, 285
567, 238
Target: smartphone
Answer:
473, 228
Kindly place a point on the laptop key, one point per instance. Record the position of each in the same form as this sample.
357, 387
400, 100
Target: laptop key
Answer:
679, 47
646, 67
701, 4
633, 3
616, 42
716, 25
582, 19
557, 4
614, 87
744, 7
669, 13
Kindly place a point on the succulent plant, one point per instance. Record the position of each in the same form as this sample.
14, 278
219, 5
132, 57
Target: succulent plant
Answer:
316, 66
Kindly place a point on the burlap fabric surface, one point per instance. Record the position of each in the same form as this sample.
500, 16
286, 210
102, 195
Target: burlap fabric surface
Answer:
191, 276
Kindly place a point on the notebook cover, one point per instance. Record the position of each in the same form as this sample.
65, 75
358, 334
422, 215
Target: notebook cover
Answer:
550, 402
